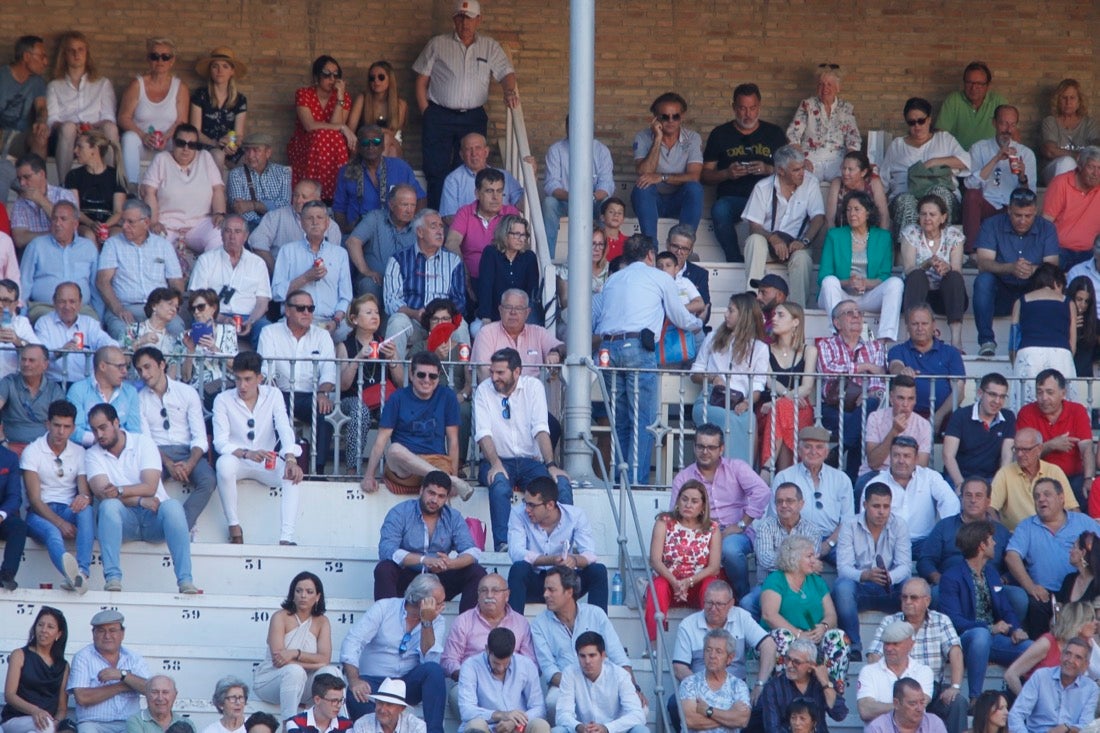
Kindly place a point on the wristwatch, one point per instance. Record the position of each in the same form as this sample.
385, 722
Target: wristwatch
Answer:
551, 464
832, 544
664, 178
956, 687
741, 524
710, 711
123, 674
119, 490
805, 241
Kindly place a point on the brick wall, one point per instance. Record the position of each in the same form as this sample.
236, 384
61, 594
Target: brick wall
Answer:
888, 49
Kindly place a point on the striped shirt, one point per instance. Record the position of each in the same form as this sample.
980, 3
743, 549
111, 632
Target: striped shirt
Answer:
460, 74
413, 280
25, 214
931, 643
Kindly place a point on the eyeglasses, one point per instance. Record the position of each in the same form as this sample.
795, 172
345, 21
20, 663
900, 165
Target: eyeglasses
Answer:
705, 447
366, 142
60, 467
999, 396
678, 248
716, 604
198, 307
377, 77
333, 700
404, 645
905, 441
118, 364
911, 596
848, 313
834, 67
332, 74
975, 83
251, 433
6, 301
161, 56
1022, 197
1024, 449
916, 121
491, 591
670, 118
235, 698
534, 504
164, 415
188, 144
302, 308
521, 235
436, 320
433, 376
506, 409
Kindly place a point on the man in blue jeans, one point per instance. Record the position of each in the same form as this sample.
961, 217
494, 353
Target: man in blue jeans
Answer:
58, 498
873, 560
1011, 246
514, 436
668, 159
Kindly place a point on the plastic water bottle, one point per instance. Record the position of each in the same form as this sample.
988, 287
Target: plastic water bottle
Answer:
617, 590
6, 319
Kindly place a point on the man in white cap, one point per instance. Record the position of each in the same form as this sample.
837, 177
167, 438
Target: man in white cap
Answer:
875, 690
107, 679
391, 712
499, 691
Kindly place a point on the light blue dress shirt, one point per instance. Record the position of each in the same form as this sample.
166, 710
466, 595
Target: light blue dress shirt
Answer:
1045, 703
480, 694
331, 293
373, 644
554, 644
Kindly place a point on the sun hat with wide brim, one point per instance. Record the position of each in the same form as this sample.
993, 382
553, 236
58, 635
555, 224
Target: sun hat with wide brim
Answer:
221, 53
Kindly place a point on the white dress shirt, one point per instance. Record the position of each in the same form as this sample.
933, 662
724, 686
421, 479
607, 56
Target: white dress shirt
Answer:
269, 421
513, 437
139, 454
926, 500
789, 213
184, 416
610, 700
279, 347
249, 279
40, 458
88, 101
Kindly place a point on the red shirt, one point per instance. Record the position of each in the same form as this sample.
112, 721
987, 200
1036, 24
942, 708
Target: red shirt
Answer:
1074, 420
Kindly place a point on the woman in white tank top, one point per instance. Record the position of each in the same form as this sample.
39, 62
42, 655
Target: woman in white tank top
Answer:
151, 108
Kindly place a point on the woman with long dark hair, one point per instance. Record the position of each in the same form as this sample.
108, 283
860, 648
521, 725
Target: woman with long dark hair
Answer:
35, 694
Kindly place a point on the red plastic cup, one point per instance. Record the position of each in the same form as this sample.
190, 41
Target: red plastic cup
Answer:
372, 350
103, 232
269, 462
318, 262
605, 358
78, 339
463, 352
237, 322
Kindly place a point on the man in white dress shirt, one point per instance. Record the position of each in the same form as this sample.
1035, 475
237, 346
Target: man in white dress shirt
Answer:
301, 363
247, 421
595, 690
921, 496
238, 276
123, 471
998, 166
499, 691
58, 331
171, 414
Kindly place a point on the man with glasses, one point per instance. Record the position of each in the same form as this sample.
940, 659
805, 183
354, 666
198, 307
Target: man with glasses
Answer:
544, 532
30, 215
319, 268
124, 471
935, 644
418, 433
107, 679
171, 414
239, 278
460, 186
283, 225
329, 694
400, 638
1066, 430
771, 530
1013, 484
106, 384
737, 496
418, 536
59, 256
25, 398
158, 715
1071, 205
877, 680
668, 160
15, 330
258, 186
470, 630
1011, 246
978, 439
511, 428
475, 223
248, 420
366, 183
451, 94
301, 363
968, 115
131, 266
186, 193
828, 490
681, 243
998, 165
379, 235
535, 344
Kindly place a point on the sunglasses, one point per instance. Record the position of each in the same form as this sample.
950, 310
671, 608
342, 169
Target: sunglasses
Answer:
189, 144
161, 56
60, 467
916, 121
332, 74
251, 433
1022, 197
164, 415
670, 118
366, 142
506, 408
433, 376
404, 645
905, 441
834, 67
198, 307
302, 308
377, 77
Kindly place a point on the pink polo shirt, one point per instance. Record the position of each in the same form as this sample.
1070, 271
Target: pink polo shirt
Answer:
477, 233
533, 344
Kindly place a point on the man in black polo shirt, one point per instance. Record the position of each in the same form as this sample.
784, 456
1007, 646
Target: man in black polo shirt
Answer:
978, 439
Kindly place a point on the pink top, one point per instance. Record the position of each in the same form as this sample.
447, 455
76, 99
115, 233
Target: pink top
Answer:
470, 631
686, 550
184, 195
477, 233
533, 344
878, 425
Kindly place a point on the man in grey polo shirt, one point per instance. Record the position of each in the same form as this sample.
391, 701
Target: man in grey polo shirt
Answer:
377, 236
668, 159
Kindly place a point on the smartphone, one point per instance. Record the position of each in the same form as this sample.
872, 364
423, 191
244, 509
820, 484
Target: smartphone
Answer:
198, 330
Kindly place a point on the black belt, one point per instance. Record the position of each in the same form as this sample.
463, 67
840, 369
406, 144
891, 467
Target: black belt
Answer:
456, 111
621, 336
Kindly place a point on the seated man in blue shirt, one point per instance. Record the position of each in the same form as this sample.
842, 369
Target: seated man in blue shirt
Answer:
1060, 698
924, 354
366, 182
107, 384
555, 202
978, 438
418, 536
542, 534
500, 690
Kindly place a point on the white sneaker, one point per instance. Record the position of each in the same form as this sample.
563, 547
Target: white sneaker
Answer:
72, 569
462, 488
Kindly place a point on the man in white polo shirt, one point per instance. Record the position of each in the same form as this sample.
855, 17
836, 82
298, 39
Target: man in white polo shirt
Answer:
875, 690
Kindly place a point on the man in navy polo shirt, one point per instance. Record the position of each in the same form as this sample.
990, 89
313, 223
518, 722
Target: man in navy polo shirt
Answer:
978, 438
923, 354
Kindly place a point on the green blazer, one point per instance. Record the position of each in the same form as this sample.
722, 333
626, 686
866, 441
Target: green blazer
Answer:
836, 257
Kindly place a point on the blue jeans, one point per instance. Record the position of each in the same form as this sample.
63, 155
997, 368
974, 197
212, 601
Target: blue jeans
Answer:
980, 647
118, 524
684, 203
552, 212
628, 356
751, 601
851, 597
202, 481
525, 580
521, 471
735, 550
725, 214
425, 681
43, 532
853, 432
992, 297
739, 429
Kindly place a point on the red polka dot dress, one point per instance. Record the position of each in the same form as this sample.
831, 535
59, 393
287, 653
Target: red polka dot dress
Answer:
318, 154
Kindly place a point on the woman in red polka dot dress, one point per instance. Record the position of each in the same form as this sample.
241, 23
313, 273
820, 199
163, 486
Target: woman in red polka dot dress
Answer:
321, 136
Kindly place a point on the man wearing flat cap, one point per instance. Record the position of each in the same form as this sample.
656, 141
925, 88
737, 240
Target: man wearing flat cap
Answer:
875, 690
107, 679
259, 185
391, 712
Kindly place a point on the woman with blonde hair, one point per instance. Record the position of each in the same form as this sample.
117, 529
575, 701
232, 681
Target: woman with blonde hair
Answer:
732, 365
78, 99
218, 110
382, 106
100, 188
1066, 130
508, 264
152, 107
824, 127
1075, 619
786, 407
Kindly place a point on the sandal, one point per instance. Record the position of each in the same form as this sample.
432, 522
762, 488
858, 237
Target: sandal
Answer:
236, 536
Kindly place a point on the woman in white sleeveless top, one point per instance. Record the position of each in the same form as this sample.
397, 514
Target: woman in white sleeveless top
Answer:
151, 108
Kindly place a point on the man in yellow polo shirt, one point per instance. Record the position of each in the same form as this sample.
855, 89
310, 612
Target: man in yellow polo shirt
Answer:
1013, 483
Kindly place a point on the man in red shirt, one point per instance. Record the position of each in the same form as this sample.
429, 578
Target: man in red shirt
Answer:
1066, 430
1071, 203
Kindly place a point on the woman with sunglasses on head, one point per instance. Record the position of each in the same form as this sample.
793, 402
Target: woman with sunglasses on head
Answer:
322, 138
151, 108
824, 126
381, 106
209, 361
218, 110
937, 151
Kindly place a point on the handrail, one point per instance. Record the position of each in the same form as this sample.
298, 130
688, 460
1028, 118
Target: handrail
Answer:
519, 162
